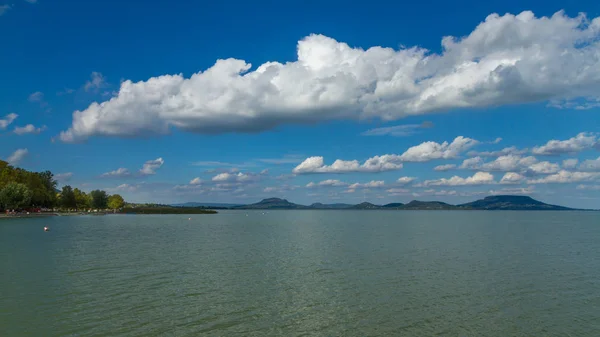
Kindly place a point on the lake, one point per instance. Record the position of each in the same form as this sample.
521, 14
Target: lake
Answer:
292, 273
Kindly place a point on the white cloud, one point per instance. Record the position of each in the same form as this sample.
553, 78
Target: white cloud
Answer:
497, 140
123, 188
151, 166
29, 129
405, 180
327, 183
428, 151
375, 164
233, 177
506, 59
570, 164
590, 165
479, 178
397, 191
503, 163
96, 82
513, 150
17, 156
7, 120
564, 177
512, 178
370, 184
440, 192
63, 177
446, 167
120, 172
472, 163
543, 167
196, 181
583, 141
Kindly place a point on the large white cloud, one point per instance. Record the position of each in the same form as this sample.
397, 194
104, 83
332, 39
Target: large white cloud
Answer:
505, 60
583, 141
431, 150
479, 178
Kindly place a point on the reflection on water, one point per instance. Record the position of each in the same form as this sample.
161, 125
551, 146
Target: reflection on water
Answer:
333, 273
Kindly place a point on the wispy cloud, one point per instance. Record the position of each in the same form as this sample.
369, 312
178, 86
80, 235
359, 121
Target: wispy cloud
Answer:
96, 82
398, 130
7, 120
17, 156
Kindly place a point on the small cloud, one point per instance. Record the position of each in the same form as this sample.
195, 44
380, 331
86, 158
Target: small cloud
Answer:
151, 166
7, 120
96, 82
17, 156
287, 159
446, 167
497, 140
118, 173
28, 129
398, 130
67, 91
196, 181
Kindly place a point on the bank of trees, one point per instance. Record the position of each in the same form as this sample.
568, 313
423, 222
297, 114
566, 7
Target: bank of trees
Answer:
20, 189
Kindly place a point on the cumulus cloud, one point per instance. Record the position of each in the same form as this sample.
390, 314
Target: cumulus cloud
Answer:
398, 130
512, 178
7, 120
151, 166
95, 82
446, 167
583, 141
17, 156
423, 152
120, 172
479, 178
570, 164
513, 150
428, 151
63, 177
196, 181
564, 177
29, 129
370, 184
235, 177
543, 167
405, 180
590, 165
327, 183
375, 164
506, 59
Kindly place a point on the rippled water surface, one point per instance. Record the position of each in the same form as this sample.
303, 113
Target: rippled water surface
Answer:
292, 273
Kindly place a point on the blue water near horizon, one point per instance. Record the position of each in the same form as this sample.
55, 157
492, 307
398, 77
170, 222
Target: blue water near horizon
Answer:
322, 273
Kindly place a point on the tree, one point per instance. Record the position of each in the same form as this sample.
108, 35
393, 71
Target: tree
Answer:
15, 195
99, 199
115, 201
82, 200
67, 197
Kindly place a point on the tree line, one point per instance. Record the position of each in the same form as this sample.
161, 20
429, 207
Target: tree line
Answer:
22, 189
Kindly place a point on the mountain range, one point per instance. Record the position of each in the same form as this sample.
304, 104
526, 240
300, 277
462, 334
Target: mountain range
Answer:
497, 202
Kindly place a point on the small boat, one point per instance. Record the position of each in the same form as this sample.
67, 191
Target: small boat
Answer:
46, 229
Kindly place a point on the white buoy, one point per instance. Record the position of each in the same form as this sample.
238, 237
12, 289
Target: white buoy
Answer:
46, 229
189, 218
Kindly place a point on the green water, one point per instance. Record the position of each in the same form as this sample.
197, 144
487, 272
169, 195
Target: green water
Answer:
313, 273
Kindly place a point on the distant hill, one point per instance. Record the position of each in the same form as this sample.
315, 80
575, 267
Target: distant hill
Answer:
272, 203
427, 205
394, 205
511, 202
498, 202
319, 205
365, 205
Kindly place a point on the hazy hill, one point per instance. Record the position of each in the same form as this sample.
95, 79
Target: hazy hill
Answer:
510, 202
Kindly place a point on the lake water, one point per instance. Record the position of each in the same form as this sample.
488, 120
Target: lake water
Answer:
292, 273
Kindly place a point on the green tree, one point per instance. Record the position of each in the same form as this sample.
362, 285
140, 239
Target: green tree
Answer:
67, 197
82, 200
15, 195
99, 199
115, 201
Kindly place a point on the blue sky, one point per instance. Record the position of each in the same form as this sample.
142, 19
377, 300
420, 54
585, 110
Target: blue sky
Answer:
178, 101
